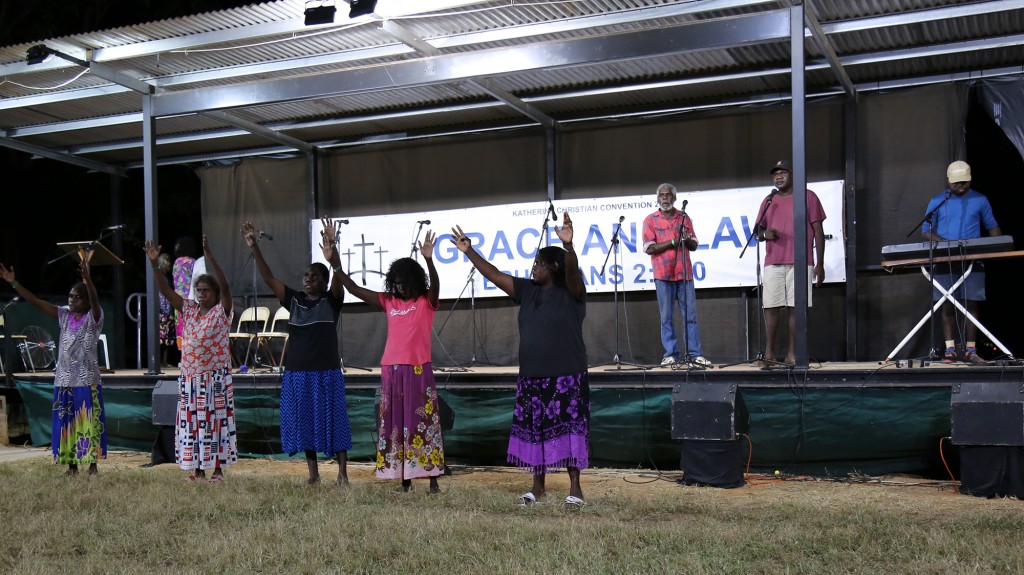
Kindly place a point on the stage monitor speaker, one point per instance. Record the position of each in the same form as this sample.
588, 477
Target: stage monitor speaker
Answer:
987, 413
708, 412
165, 402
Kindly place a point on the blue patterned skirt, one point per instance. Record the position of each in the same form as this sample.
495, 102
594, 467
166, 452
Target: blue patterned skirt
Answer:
314, 416
79, 434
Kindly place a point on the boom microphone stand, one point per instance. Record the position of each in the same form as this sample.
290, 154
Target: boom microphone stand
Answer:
472, 311
415, 241
550, 215
251, 304
759, 225
933, 352
614, 248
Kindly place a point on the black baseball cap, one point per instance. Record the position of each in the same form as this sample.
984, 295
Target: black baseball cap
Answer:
782, 165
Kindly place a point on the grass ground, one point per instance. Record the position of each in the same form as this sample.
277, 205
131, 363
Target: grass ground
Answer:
264, 519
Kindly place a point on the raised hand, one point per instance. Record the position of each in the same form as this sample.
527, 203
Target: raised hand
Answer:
7, 274
328, 237
206, 245
83, 268
249, 233
460, 240
153, 251
427, 247
565, 232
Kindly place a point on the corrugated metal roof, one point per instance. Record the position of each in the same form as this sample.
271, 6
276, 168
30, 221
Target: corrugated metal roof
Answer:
443, 68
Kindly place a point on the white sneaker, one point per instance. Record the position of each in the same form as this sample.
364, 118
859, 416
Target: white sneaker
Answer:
668, 361
699, 360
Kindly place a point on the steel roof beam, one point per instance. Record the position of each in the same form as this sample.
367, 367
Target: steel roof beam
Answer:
408, 38
702, 35
277, 28
47, 153
828, 51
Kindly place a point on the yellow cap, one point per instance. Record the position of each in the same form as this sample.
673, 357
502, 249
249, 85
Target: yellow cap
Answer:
958, 172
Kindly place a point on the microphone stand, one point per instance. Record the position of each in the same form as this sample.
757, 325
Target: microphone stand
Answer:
544, 227
758, 225
472, 311
251, 304
413, 251
687, 358
614, 248
933, 352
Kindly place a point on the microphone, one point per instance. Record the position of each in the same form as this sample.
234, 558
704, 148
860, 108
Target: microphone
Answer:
10, 303
264, 234
775, 191
683, 208
424, 222
341, 222
117, 227
621, 219
551, 211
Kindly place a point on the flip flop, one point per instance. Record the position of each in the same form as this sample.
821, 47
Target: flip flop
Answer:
191, 477
216, 478
525, 499
573, 502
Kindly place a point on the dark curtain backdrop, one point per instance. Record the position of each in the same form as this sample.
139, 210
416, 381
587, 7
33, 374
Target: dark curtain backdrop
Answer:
273, 195
905, 140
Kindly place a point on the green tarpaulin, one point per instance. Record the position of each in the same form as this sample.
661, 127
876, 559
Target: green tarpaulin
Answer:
824, 431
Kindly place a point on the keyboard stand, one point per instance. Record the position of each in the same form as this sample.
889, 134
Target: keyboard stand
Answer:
948, 295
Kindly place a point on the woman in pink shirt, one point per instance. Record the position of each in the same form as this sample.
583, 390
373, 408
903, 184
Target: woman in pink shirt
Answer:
409, 420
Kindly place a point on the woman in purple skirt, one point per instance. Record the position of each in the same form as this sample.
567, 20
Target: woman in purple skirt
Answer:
409, 441
551, 420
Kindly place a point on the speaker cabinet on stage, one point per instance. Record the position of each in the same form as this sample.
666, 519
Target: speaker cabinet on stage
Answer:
165, 408
708, 411
987, 422
707, 418
987, 413
165, 402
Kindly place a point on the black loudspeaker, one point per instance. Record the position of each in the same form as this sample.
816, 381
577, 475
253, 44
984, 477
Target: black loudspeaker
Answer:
712, 463
708, 412
987, 413
707, 418
165, 402
992, 471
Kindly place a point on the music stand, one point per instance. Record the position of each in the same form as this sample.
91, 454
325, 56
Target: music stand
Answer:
94, 252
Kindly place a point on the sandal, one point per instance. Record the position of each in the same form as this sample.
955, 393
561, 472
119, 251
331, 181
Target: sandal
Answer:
191, 477
573, 502
216, 478
525, 499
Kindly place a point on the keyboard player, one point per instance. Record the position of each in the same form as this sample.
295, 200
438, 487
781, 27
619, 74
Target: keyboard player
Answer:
959, 213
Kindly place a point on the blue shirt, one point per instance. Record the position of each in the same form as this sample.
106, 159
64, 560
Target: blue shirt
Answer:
962, 217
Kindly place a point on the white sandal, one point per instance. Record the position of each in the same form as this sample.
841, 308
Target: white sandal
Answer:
525, 499
573, 502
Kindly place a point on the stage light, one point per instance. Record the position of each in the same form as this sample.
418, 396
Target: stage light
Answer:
320, 12
361, 8
38, 54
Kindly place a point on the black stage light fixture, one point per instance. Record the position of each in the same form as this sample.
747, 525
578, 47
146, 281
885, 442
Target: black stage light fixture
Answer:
38, 54
361, 8
320, 12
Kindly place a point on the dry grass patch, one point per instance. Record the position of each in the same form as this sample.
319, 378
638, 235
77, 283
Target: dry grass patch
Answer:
264, 519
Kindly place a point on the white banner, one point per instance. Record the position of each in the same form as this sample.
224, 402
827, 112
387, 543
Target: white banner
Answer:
508, 236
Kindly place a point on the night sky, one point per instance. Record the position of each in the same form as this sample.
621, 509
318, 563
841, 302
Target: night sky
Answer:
46, 201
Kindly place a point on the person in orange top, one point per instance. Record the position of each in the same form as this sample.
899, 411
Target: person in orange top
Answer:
204, 437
